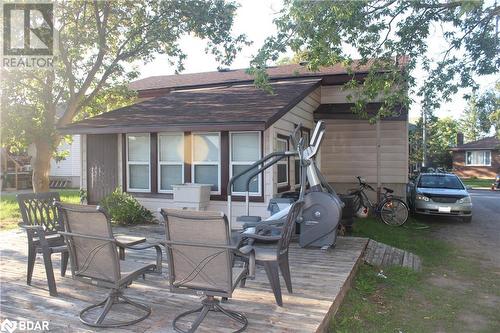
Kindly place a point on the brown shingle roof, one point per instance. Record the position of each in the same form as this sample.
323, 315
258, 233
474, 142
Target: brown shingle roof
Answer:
491, 142
238, 75
231, 107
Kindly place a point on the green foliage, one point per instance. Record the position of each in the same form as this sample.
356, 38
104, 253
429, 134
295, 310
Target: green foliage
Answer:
125, 209
482, 113
380, 33
441, 135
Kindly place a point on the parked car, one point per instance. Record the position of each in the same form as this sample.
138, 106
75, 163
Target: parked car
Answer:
439, 194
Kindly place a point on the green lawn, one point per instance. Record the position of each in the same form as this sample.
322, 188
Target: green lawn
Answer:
9, 210
475, 182
453, 293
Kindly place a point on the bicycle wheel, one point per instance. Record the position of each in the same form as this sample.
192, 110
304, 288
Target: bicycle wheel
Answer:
393, 212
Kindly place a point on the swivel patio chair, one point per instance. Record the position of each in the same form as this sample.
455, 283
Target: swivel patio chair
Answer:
95, 260
274, 257
201, 261
42, 223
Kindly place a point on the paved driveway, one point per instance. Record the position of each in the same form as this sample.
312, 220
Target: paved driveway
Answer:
481, 237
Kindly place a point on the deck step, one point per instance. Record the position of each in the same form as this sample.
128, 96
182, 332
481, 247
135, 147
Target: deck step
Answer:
382, 255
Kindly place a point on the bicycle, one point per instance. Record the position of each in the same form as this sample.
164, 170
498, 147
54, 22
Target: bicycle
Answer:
392, 211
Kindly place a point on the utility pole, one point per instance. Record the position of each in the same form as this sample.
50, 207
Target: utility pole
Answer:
424, 138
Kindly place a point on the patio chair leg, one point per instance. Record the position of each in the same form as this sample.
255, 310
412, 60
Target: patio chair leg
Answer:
106, 305
285, 271
31, 264
242, 283
272, 271
105, 310
64, 262
49, 271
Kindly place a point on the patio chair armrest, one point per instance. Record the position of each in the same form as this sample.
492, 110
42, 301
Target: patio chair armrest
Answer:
35, 231
262, 237
156, 246
30, 227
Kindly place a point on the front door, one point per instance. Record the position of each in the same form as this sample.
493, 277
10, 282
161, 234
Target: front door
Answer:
102, 166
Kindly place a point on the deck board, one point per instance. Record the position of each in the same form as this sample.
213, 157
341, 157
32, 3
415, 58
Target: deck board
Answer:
319, 278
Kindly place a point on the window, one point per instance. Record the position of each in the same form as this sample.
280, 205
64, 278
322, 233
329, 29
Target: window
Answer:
170, 160
305, 135
282, 166
478, 158
245, 150
206, 159
138, 163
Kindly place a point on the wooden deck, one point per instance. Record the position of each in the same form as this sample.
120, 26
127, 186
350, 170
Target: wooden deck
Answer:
320, 280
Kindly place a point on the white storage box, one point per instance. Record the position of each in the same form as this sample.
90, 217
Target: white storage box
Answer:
192, 196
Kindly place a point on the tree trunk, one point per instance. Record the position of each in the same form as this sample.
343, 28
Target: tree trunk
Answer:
40, 161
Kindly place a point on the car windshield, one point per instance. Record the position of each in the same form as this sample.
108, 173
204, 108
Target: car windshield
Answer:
440, 181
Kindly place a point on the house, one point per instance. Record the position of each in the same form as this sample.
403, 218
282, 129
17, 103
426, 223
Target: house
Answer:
68, 169
480, 158
204, 127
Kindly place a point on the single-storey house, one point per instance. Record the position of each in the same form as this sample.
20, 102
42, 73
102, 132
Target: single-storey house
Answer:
204, 127
479, 159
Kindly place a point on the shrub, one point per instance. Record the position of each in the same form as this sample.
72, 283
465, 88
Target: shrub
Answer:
125, 209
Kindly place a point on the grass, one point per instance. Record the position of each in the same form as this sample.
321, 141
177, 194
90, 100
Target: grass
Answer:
475, 182
9, 209
453, 293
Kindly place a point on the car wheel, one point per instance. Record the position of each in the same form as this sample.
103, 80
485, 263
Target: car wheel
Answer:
467, 219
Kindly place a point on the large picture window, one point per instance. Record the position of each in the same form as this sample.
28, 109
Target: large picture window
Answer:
282, 166
245, 150
138, 163
478, 158
206, 159
170, 161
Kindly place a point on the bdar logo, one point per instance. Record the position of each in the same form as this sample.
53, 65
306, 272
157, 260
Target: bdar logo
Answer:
28, 29
8, 326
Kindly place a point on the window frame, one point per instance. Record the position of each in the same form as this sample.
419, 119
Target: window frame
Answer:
285, 161
248, 163
194, 163
160, 163
477, 151
148, 163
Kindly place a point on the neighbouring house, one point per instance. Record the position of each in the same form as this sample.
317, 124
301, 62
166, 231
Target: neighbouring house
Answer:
478, 159
67, 171
204, 127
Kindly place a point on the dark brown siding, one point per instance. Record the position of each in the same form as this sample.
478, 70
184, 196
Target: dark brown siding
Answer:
486, 172
102, 166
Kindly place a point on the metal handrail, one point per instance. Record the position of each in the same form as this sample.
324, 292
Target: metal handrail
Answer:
278, 156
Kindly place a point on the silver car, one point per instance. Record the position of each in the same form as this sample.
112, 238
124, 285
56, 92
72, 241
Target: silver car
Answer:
440, 194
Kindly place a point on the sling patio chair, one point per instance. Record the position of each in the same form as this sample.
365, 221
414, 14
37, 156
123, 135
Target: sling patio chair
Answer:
200, 257
42, 223
95, 260
274, 257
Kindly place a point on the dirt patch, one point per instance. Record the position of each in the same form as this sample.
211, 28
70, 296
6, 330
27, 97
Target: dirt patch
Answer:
488, 300
445, 281
473, 322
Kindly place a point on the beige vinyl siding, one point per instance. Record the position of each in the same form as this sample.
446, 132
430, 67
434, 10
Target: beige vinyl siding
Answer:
349, 149
336, 94
302, 113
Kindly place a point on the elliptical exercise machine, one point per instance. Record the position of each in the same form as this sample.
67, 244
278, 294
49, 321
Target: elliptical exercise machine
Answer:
322, 207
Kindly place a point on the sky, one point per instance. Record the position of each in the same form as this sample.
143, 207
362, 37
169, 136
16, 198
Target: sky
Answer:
254, 18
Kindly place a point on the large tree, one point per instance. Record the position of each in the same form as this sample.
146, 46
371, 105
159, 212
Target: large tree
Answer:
97, 44
481, 116
381, 32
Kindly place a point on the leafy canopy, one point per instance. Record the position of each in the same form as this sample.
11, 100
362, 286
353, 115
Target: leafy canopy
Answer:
381, 32
97, 45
